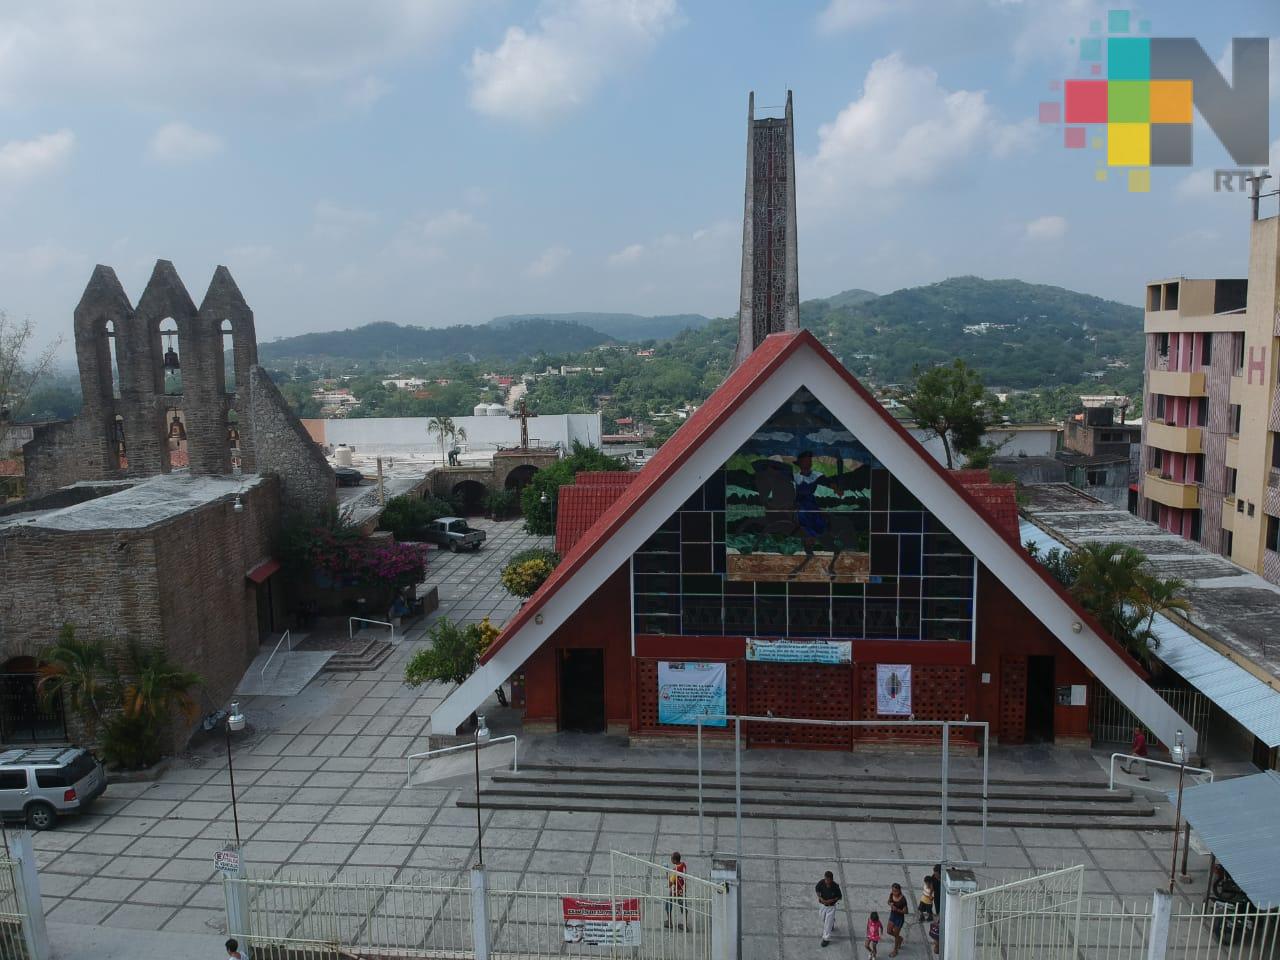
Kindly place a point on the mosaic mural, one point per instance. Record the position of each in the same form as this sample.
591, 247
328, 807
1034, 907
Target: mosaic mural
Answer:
803, 533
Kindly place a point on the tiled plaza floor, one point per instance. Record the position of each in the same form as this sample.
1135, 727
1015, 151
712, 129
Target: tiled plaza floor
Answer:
321, 793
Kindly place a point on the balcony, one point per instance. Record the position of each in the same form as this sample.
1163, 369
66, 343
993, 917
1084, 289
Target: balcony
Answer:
1176, 383
1171, 493
1174, 439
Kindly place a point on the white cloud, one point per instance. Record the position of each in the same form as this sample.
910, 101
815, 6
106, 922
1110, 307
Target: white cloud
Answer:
845, 14
539, 74
548, 262
160, 53
182, 143
628, 254
366, 92
445, 226
22, 160
904, 131
336, 222
1052, 227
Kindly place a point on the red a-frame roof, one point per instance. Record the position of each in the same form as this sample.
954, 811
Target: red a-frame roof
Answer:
703, 423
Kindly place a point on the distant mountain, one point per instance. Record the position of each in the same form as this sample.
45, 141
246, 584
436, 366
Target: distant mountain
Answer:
395, 343
1018, 335
849, 298
631, 327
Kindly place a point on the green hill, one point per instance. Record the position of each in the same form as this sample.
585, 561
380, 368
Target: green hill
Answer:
393, 343
630, 327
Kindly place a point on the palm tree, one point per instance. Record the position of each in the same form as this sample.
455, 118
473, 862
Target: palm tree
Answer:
1112, 582
77, 669
158, 687
1163, 595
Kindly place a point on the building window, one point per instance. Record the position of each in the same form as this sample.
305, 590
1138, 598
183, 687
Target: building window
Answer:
1096, 478
1231, 481
1275, 451
1273, 534
1237, 344
1236, 416
1202, 412
1162, 345
1206, 350
1153, 297
1157, 401
1227, 542
1195, 525
1157, 459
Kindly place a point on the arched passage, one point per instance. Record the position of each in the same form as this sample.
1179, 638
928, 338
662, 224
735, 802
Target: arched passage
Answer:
520, 476
25, 716
470, 494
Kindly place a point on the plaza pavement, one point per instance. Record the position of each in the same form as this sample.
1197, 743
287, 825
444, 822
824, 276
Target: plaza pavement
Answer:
321, 794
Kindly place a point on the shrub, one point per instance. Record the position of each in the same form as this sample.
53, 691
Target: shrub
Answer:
501, 503
539, 517
454, 652
333, 550
407, 517
523, 578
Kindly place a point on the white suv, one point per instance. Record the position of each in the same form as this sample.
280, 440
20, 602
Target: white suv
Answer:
40, 784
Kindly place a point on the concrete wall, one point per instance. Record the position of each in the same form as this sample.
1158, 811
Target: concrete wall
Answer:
409, 436
1012, 443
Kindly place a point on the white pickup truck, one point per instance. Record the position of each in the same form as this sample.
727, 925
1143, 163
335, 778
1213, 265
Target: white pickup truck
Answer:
454, 533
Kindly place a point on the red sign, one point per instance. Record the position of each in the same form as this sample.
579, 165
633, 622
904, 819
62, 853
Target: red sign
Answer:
602, 921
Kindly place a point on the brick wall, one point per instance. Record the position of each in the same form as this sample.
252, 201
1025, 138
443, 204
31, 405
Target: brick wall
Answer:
282, 446
180, 584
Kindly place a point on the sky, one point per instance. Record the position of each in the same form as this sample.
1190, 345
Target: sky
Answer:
441, 161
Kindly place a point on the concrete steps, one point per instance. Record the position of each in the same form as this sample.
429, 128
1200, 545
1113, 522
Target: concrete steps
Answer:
1037, 802
368, 656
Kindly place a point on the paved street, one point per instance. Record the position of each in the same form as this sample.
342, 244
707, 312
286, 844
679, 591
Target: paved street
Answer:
321, 791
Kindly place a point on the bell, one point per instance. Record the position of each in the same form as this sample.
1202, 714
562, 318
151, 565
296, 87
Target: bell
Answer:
176, 430
171, 361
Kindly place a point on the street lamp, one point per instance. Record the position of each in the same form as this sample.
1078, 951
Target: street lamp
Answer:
1177, 753
482, 737
235, 722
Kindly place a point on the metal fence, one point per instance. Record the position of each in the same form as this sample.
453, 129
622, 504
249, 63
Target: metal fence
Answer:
632, 914
1111, 930
1036, 918
1110, 721
13, 942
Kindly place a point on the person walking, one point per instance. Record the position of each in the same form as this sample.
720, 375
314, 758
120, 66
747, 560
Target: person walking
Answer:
925, 905
898, 908
1139, 750
874, 930
829, 895
675, 890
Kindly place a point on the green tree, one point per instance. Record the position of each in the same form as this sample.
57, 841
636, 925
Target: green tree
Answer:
539, 517
79, 671
527, 570
157, 688
454, 652
19, 371
951, 403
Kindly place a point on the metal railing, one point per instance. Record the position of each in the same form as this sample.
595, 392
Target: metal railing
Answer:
283, 638
1157, 763
1110, 721
13, 916
352, 621
946, 726
428, 754
295, 918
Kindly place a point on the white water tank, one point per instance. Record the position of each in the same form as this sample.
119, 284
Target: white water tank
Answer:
497, 410
342, 455
480, 410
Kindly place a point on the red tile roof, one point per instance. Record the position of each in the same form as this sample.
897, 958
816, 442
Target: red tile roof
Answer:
703, 423
999, 502
580, 505
611, 478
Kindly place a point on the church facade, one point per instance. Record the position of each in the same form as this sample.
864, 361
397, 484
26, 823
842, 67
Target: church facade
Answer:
792, 552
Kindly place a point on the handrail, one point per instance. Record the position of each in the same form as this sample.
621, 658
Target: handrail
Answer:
515, 754
1158, 763
285, 636
351, 634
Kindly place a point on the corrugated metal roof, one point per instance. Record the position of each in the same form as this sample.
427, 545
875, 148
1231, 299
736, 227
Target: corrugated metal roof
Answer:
1236, 819
1237, 692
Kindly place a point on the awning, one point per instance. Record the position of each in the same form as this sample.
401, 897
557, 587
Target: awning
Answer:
263, 570
1247, 700
1237, 821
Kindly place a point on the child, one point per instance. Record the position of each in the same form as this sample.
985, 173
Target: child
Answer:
925, 906
874, 930
934, 935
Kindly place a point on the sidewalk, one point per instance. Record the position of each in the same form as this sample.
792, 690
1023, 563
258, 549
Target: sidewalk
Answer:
80, 941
